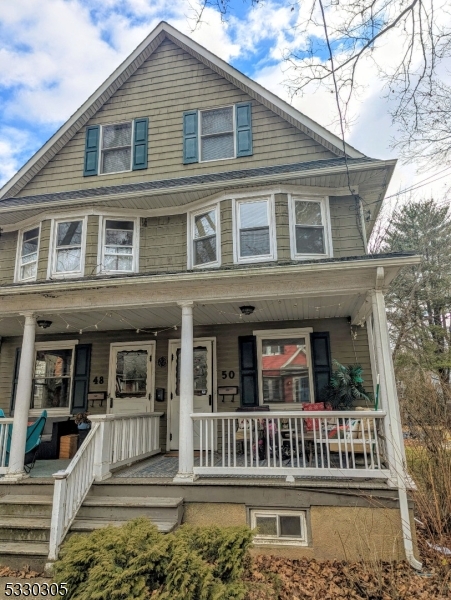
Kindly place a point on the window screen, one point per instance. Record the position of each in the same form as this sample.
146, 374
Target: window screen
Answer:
118, 248
217, 134
68, 246
309, 227
29, 254
116, 148
254, 237
204, 249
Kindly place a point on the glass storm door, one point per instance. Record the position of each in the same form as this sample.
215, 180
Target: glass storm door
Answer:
131, 378
203, 388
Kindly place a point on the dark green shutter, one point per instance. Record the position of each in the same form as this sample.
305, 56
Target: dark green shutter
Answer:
190, 143
91, 166
321, 361
244, 129
81, 378
15, 378
140, 143
248, 370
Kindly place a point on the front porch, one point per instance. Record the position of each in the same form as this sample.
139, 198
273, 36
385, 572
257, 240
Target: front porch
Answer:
199, 360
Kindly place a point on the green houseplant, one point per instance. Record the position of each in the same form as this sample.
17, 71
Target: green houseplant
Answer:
345, 387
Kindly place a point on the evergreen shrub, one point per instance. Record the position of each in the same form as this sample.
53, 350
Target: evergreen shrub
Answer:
137, 562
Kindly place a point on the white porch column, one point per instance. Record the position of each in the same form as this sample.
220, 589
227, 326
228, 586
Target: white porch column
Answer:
393, 428
186, 443
22, 403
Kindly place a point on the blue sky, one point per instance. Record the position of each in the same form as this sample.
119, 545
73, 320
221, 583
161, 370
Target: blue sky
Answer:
55, 53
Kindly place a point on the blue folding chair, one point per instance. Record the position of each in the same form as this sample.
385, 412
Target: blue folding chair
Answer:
34, 433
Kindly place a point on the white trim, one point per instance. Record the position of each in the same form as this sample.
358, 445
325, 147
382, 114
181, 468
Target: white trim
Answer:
271, 212
266, 334
51, 273
199, 141
278, 539
326, 223
172, 348
132, 139
190, 237
101, 243
112, 369
56, 345
17, 278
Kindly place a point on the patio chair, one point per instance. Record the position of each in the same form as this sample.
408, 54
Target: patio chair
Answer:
34, 432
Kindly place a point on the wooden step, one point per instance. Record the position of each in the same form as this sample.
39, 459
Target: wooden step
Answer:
87, 525
128, 501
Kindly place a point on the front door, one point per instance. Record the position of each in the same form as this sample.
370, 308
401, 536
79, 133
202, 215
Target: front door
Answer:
203, 387
131, 378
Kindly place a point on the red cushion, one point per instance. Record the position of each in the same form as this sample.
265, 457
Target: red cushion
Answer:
310, 423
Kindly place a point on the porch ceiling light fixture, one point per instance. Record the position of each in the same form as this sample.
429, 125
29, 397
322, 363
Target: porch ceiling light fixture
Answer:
247, 310
43, 324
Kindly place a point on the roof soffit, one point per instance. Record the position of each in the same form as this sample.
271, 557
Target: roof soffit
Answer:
125, 71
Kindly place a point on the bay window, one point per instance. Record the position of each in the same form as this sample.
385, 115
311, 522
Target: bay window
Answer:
119, 246
254, 238
27, 260
310, 228
204, 249
69, 240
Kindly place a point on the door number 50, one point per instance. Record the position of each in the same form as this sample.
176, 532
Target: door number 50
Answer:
230, 374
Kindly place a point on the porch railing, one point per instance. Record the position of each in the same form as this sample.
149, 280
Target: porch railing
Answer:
71, 487
114, 441
320, 443
5, 425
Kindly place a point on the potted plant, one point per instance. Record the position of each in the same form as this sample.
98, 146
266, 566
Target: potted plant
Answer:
84, 425
345, 387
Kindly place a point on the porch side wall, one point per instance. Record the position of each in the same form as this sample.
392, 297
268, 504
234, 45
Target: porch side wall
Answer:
343, 348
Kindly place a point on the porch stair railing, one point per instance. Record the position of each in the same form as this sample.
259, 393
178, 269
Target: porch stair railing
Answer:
5, 424
114, 441
339, 444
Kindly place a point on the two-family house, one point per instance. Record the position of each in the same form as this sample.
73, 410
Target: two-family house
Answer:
184, 259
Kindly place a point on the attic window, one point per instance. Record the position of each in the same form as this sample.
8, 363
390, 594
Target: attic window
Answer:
116, 148
217, 134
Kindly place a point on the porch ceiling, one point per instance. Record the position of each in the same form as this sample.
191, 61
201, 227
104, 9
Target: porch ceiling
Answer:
156, 318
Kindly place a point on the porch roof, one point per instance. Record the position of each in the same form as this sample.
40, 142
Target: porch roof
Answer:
315, 290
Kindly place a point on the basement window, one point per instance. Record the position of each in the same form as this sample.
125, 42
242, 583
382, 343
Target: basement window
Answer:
280, 527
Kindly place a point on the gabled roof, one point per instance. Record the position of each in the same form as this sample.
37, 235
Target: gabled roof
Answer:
130, 65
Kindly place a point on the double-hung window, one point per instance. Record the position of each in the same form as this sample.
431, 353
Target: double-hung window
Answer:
254, 238
310, 228
116, 148
69, 240
28, 255
53, 375
119, 246
204, 250
217, 135
284, 363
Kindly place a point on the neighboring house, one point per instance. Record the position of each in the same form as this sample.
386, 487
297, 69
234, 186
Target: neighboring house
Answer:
187, 221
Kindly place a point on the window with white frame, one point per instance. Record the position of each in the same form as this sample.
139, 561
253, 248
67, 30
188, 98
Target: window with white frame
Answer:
205, 243
119, 246
217, 134
310, 227
284, 366
68, 247
28, 254
279, 527
254, 230
53, 376
116, 148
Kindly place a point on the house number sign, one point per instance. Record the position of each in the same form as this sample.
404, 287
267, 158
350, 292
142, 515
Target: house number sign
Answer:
230, 374
97, 380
